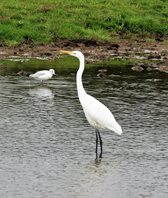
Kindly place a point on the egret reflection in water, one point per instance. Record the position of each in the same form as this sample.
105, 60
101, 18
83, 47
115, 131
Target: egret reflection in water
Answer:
41, 92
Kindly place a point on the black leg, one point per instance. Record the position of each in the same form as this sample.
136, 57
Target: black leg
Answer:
96, 142
101, 144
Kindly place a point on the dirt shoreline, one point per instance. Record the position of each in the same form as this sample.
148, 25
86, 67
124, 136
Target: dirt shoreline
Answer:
146, 55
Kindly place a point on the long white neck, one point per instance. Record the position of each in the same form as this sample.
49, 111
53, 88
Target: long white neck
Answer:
79, 83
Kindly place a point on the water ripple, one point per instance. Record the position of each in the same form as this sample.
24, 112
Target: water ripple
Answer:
47, 146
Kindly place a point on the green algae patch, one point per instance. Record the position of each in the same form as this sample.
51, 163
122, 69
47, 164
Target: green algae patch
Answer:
14, 65
63, 64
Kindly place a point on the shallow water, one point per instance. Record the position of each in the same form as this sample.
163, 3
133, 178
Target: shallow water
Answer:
47, 147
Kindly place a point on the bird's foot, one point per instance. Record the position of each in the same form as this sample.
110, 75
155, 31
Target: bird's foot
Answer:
98, 160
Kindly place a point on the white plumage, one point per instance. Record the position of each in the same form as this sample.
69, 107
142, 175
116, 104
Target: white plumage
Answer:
97, 114
43, 75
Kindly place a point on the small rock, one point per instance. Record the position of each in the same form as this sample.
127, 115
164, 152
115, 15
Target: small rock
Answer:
21, 49
102, 73
113, 46
163, 68
154, 56
102, 70
23, 73
159, 37
46, 54
137, 68
149, 69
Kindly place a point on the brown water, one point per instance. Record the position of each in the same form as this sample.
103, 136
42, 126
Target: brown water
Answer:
47, 147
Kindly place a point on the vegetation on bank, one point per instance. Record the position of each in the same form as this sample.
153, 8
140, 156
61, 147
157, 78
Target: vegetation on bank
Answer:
45, 21
61, 65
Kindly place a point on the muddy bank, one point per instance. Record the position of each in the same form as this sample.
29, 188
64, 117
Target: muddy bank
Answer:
144, 55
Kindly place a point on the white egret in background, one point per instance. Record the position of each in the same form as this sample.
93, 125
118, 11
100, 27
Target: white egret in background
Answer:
43, 75
97, 114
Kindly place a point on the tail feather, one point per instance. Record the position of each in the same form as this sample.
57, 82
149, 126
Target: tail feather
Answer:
117, 129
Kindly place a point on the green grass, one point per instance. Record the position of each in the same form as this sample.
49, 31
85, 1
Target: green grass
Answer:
44, 21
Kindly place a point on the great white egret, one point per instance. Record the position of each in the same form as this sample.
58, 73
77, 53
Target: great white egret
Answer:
97, 114
43, 75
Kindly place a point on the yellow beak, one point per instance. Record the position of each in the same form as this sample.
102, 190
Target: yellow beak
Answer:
66, 52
